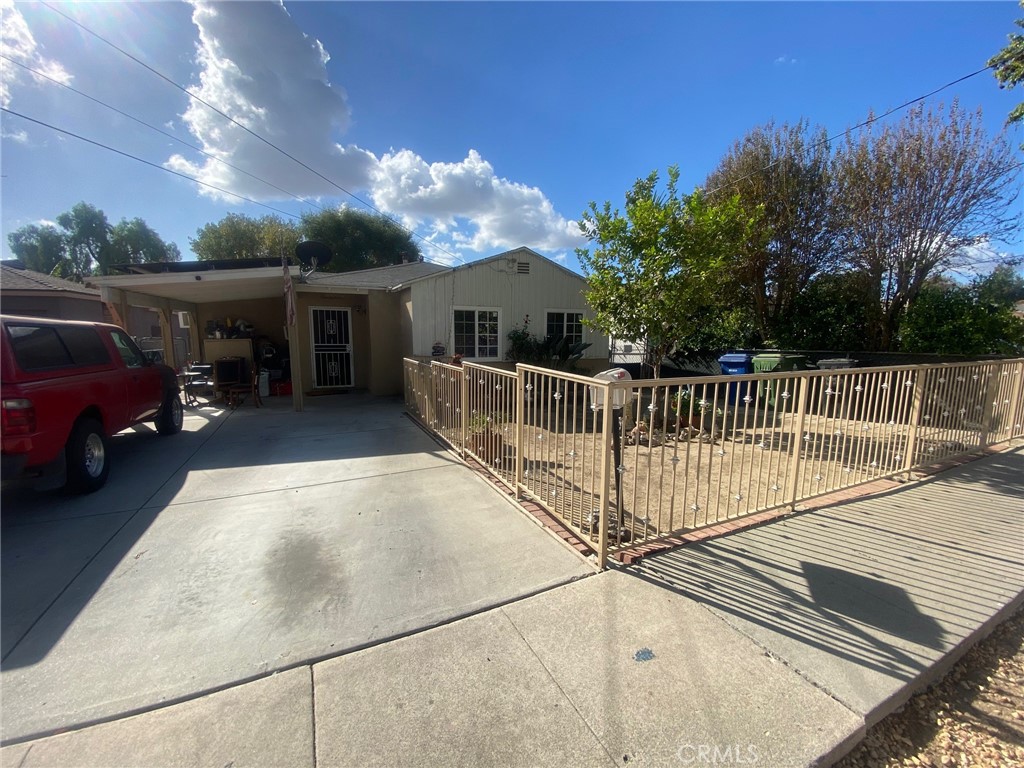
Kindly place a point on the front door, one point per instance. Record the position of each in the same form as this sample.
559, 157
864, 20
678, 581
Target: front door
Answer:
331, 334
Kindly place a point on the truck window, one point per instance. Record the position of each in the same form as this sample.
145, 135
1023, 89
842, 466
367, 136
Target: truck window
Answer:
130, 352
37, 347
85, 345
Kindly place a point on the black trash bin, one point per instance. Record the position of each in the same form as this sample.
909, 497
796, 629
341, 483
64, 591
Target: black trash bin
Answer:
737, 364
836, 390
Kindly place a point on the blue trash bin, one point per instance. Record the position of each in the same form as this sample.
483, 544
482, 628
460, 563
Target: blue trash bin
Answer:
737, 364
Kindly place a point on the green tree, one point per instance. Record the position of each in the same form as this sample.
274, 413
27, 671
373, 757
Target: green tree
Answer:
1008, 67
948, 318
359, 240
832, 313
39, 247
135, 242
661, 271
237, 236
912, 198
86, 240
782, 175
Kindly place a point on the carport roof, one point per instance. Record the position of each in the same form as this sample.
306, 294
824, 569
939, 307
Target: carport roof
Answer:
201, 283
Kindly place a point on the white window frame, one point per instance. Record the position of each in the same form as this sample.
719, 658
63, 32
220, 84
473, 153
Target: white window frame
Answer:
501, 338
564, 312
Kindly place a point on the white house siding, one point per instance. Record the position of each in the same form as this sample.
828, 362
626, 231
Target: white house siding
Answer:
495, 283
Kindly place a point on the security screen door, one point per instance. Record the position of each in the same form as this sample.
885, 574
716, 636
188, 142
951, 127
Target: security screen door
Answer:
331, 334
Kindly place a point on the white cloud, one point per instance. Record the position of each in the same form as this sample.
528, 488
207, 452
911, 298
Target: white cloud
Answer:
258, 67
18, 43
503, 214
19, 136
783, 60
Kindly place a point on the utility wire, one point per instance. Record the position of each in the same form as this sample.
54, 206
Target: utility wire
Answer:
247, 130
867, 122
145, 162
162, 132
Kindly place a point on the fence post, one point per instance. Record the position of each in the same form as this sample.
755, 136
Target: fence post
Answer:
520, 419
607, 425
463, 409
990, 405
916, 407
798, 437
1017, 401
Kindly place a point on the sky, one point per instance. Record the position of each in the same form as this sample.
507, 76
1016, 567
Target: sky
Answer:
479, 126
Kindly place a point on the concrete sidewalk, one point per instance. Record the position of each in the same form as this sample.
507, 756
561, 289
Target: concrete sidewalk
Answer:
775, 646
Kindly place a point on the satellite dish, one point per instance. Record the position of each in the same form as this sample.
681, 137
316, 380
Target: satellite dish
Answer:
312, 253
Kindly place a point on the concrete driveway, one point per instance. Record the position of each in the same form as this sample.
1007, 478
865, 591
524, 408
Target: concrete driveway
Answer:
254, 541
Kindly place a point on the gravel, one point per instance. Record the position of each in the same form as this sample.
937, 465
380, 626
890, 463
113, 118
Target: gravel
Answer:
974, 716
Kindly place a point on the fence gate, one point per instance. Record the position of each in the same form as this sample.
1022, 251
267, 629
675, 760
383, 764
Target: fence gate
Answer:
331, 335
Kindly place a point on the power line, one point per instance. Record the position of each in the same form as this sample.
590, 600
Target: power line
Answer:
867, 122
144, 162
247, 130
162, 132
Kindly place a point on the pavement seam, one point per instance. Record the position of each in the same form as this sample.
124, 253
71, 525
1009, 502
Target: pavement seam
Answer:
312, 707
558, 686
293, 487
775, 657
105, 544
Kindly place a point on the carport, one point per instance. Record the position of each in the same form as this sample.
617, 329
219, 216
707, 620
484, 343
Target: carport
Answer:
255, 541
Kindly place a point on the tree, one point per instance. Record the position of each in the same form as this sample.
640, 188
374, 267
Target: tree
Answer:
781, 175
39, 247
832, 313
914, 197
974, 319
135, 242
237, 236
86, 240
1009, 68
660, 272
360, 240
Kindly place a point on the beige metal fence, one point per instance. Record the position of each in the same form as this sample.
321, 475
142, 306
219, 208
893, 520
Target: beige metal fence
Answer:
675, 455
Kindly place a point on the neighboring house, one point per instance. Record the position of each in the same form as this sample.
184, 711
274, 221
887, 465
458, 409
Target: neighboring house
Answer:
353, 328
25, 292
1018, 308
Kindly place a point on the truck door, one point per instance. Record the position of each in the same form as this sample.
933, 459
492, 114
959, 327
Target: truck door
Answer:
142, 382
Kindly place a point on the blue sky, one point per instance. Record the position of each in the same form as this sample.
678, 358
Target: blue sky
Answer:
483, 126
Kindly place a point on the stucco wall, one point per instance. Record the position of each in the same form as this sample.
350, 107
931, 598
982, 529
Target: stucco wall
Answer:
385, 324
54, 306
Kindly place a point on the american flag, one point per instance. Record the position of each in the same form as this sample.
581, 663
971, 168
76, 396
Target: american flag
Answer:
289, 294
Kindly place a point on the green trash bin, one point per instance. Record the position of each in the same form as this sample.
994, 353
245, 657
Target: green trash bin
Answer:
771, 363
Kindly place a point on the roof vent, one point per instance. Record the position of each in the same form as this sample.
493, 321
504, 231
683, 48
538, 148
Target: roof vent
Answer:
522, 267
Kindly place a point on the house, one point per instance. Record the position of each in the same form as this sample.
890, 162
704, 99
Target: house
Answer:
25, 292
353, 328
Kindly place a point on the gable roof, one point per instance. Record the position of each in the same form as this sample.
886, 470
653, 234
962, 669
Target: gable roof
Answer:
505, 255
376, 278
15, 277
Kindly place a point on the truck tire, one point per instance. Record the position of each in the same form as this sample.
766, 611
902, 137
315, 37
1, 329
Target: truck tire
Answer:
171, 416
87, 459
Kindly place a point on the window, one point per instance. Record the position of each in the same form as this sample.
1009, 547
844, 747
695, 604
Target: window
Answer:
131, 354
40, 347
568, 324
37, 348
476, 333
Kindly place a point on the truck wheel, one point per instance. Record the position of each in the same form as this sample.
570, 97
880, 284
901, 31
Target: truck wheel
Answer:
86, 454
171, 416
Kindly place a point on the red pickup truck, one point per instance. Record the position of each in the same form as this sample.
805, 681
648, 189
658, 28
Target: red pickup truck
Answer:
65, 387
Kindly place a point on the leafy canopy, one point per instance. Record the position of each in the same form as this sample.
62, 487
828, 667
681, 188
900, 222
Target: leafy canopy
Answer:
661, 270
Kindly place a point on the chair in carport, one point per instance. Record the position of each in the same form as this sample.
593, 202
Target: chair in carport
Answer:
236, 393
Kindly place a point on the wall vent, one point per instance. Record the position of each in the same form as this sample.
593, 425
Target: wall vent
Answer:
522, 267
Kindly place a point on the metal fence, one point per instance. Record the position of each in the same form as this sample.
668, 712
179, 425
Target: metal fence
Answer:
675, 455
